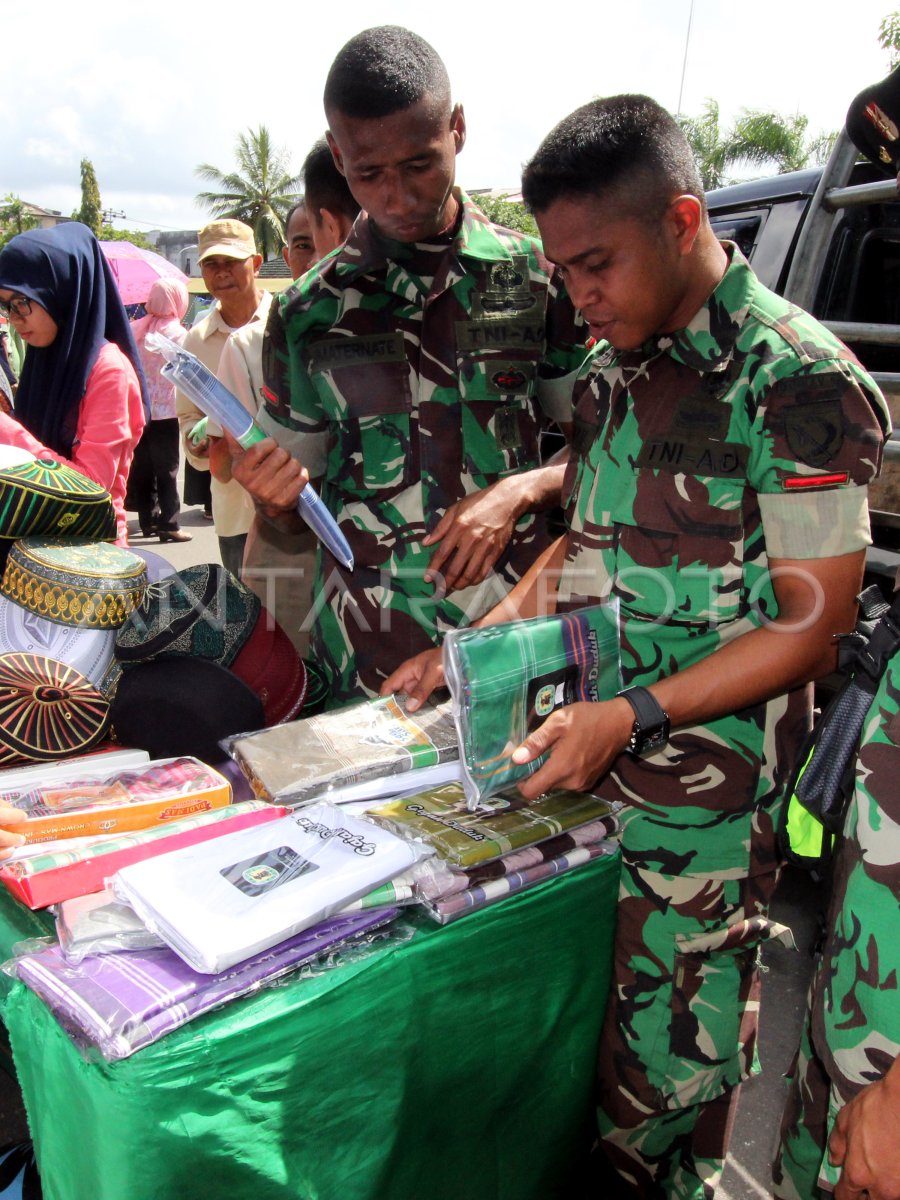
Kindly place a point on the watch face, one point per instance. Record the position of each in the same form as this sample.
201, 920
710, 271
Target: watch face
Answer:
648, 741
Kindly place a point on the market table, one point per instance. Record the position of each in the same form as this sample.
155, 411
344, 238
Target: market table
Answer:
454, 1064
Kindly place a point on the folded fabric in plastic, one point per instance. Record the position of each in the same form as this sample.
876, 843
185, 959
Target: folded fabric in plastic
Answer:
436, 879
450, 908
506, 680
50, 878
441, 819
302, 760
124, 800
123, 1002
100, 924
223, 902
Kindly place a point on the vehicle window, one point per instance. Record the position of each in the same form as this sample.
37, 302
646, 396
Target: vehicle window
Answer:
739, 227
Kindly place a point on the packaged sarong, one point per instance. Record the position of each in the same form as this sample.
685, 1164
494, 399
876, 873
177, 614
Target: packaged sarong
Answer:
450, 908
303, 760
84, 865
441, 819
436, 880
122, 801
506, 680
222, 902
123, 1002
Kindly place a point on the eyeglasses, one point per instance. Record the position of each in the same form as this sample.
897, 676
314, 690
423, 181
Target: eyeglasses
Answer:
19, 306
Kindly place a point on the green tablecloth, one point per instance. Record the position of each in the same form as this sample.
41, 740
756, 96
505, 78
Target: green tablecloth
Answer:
456, 1065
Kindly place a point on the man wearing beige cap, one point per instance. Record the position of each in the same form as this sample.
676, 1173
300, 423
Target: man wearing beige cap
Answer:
229, 264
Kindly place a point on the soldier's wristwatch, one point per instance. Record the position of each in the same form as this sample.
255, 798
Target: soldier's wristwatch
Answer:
650, 731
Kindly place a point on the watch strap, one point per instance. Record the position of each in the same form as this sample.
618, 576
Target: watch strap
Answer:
651, 726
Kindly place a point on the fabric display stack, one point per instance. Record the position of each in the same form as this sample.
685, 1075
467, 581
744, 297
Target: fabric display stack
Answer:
360, 814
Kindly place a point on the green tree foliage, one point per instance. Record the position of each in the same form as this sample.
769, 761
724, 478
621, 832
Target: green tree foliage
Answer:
14, 218
90, 213
259, 193
761, 139
889, 37
512, 214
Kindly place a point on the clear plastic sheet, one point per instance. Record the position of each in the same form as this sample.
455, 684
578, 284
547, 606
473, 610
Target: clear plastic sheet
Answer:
120, 1003
305, 760
100, 924
235, 896
506, 680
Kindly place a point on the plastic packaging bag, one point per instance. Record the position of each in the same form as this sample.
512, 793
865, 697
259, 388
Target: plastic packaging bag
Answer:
506, 680
307, 759
120, 1003
100, 924
220, 903
441, 819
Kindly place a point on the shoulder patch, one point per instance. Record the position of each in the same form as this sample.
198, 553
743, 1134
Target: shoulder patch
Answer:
815, 430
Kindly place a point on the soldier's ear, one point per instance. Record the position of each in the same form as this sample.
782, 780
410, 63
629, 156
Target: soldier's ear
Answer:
335, 152
683, 218
458, 126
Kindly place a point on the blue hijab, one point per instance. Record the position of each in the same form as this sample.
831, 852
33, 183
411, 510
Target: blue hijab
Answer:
65, 271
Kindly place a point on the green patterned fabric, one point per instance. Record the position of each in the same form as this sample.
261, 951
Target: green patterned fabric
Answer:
440, 818
406, 378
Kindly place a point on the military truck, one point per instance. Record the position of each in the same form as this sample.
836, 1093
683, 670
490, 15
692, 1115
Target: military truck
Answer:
829, 240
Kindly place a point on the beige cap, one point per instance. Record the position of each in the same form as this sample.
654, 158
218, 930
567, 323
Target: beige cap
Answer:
231, 239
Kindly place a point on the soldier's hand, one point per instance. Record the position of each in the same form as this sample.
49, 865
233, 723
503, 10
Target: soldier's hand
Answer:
473, 533
9, 818
418, 677
865, 1142
269, 473
583, 740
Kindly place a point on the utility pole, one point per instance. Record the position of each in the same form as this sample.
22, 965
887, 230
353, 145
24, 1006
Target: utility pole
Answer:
687, 42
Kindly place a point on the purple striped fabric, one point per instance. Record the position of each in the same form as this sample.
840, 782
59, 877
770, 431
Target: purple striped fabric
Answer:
123, 1002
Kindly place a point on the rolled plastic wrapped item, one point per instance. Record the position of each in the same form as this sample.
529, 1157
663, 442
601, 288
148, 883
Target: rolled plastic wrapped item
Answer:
506, 680
199, 384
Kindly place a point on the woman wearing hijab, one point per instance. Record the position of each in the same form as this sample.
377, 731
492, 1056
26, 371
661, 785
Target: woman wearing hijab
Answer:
79, 396
153, 483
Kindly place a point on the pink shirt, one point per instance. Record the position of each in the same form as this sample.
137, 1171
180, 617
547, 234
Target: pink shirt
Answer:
110, 421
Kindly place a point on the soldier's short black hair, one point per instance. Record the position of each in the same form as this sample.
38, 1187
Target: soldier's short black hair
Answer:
384, 70
301, 203
629, 145
324, 186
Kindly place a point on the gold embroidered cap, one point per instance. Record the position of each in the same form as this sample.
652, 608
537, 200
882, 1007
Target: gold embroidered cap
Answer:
92, 584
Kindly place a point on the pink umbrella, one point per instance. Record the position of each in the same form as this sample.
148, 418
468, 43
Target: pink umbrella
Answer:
136, 269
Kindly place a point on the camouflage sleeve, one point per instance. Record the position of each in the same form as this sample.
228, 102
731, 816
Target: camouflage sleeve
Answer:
816, 444
290, 413
565, 354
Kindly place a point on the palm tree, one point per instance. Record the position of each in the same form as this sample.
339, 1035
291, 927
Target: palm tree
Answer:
758, 138
259, 193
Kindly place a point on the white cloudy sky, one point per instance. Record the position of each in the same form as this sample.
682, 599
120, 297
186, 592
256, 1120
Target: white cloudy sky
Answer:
155, 89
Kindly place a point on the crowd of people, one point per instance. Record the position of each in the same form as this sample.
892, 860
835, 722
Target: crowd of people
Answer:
719, 444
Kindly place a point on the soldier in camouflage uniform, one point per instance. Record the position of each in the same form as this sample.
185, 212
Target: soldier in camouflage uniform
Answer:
848, 1069
412, 370
717, 502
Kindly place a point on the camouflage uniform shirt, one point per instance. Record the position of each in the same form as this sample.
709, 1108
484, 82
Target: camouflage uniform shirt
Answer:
749, 434
405, 378
853, 1034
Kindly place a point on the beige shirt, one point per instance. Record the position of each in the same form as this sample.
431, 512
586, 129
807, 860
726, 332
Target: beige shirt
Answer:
278, 566
232, 507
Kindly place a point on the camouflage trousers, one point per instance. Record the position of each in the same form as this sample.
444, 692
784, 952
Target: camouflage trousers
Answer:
805, 1125
681, 1025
